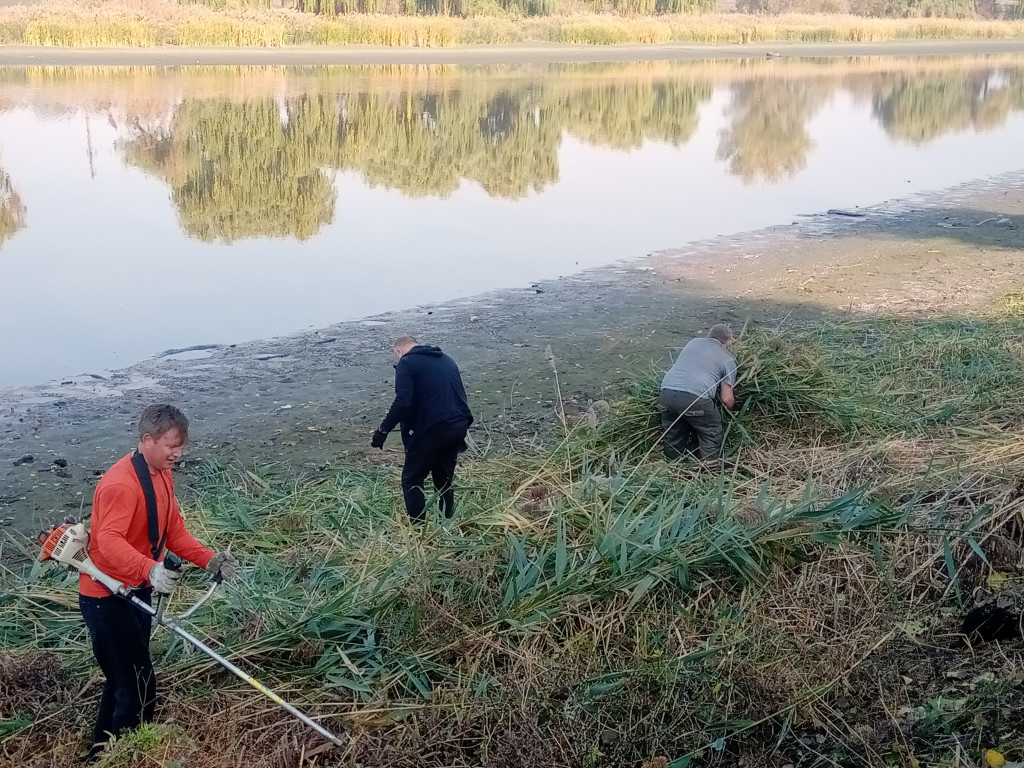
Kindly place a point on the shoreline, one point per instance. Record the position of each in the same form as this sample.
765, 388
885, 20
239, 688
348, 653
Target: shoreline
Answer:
32, 56
310, 400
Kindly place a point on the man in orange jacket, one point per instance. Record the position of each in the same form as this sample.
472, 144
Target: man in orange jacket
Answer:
135, 519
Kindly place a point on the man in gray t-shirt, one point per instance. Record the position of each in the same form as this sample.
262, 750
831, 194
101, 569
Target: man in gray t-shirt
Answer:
704, 372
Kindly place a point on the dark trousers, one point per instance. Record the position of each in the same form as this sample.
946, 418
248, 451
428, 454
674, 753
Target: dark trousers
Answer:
433, 453
691, 424
120, 641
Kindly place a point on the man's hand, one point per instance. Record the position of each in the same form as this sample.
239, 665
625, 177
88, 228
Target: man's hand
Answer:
727, 396
163, 580
223, 564
378, 439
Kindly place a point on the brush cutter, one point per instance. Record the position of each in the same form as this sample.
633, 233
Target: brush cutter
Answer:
69, 544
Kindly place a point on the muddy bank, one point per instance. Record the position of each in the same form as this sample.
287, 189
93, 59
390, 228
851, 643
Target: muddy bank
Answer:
308, 402
532, 53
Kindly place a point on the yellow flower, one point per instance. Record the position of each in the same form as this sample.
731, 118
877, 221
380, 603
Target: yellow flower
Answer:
994, 759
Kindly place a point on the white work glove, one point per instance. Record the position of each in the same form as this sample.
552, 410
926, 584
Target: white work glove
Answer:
163, 580
223, 563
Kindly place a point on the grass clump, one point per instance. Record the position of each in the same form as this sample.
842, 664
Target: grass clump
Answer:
888, 376
874, 378
593, 605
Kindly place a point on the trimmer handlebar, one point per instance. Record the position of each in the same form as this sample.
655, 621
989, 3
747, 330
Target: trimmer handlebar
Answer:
172, 562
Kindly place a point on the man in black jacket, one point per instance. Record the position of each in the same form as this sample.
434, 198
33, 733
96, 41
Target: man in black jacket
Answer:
430, 404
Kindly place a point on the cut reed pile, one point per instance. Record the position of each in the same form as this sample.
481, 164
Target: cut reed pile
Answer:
101, 23
593, 605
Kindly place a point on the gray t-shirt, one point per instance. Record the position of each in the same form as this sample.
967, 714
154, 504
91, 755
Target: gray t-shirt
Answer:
702, 365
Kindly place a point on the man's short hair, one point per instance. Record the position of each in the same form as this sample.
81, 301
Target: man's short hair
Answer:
157, 420
720, 332
405, 341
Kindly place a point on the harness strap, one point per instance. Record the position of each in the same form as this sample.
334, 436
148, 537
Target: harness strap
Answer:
156, 540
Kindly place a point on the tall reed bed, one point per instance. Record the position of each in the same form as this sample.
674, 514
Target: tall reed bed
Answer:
84, 23
594, 605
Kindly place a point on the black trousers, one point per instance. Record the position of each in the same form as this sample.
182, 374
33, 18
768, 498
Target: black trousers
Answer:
120, 641
692, 424
433, 453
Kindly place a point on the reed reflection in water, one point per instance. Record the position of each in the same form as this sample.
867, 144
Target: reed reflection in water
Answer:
287, 192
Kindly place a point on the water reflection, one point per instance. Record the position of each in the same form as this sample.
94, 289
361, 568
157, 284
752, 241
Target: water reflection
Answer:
12, 211
257, 167
768, 135
425, 143
919, 109
625, 115
248, 169
242, 166
299, 197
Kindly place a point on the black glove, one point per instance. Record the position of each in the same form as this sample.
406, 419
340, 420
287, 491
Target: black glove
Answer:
378, 439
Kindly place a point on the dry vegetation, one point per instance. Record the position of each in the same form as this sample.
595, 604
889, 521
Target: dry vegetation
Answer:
97, 23
592, 605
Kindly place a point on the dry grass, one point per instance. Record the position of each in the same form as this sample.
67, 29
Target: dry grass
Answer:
91, 23
593, 605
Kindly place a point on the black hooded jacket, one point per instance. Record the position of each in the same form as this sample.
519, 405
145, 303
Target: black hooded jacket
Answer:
428, 392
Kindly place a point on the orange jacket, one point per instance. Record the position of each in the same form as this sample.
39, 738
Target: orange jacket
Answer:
119, 536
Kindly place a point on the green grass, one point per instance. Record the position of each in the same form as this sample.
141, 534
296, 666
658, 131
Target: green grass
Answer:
880, 378
593, 605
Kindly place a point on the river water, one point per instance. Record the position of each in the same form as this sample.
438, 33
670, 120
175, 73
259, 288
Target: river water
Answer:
144, 209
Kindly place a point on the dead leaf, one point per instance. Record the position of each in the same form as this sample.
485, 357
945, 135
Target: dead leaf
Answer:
913, 628
996, 580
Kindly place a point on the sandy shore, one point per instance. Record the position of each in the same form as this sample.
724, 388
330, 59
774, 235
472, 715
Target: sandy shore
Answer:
310, 401
30, 56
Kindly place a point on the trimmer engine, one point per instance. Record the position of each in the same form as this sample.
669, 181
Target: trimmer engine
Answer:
69, 544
